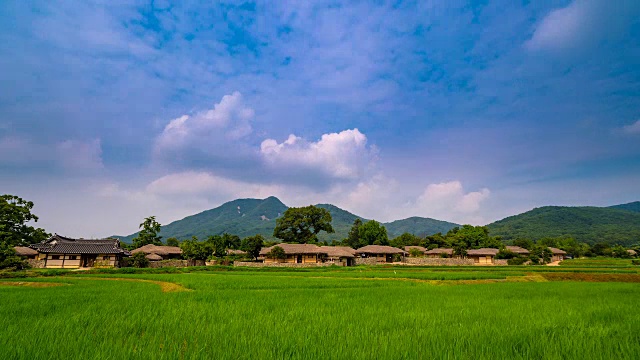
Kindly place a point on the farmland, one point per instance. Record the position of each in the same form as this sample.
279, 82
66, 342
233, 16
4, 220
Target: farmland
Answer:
360, 313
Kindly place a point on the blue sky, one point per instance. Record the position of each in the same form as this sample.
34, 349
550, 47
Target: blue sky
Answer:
461, 111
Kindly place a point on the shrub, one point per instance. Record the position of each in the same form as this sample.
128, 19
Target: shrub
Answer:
517, 260
505, 254
415, 252
139, 260
635, 262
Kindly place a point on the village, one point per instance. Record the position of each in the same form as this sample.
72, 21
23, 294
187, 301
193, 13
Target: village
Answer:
59, 252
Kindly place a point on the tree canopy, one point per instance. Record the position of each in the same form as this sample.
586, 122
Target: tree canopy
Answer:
302, 225
15, 214
149, 233
252, 245
373, 233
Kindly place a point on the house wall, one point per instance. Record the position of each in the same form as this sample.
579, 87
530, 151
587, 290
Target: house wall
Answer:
481, 260
293, 259
67, 261
557, 258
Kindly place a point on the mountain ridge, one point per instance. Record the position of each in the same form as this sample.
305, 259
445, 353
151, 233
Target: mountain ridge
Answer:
247, 217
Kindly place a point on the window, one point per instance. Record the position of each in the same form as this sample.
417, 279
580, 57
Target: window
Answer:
55, 257
73, 257
106, 257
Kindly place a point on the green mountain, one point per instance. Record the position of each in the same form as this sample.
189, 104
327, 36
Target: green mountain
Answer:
586, 224
632, 206
418, 226
247, 217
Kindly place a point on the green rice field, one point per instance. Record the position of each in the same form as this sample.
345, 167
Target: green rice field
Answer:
334, 313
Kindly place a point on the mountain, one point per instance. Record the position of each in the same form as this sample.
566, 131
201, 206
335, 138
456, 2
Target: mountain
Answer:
586, 224
632, 206
247, 217
418, 226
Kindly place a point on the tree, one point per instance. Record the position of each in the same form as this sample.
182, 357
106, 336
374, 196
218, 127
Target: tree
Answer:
276, 252
470, 237
173, 242
373, 233
353, 240
302, 225
523, 243
415, 252
9, 259
252, 245
231, 241
139, 260
149, 233
620, 252
406, 239
196, 250
15, 213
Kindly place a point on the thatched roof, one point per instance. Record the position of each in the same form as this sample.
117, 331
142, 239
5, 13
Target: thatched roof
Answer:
236, 252
438, 251
154, 257
518, 250
556, 251
419, 248
338, 251
158, 250
482, 252
379, 249
295, 249
632, 252
25, 251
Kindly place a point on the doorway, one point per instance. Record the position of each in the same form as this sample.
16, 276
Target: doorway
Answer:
88, 260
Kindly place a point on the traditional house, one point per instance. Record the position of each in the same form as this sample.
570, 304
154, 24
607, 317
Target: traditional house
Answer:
164, 252
518, 250
382, 254
633, 253
63, 252
236, 252
439, 252
25, 252
295, 254
557, 254
421, 249
339, 255
484, 256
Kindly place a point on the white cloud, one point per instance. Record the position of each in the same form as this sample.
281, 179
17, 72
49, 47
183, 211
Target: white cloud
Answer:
633, 129
343, 155
583, 22
227, 122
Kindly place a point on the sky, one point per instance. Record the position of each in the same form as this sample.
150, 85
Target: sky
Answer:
461, 111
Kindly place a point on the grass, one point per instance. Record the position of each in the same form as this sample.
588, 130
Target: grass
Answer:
322, 313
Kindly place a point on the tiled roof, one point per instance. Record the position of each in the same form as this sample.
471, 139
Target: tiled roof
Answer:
63, 245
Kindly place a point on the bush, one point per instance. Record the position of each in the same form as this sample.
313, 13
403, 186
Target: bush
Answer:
635, 262
505, 254
139, 260
517, 260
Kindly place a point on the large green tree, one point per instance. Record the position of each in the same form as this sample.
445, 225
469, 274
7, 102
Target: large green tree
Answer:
353, 240
252, 245
15, 214
302, 225
149, 233
373, 233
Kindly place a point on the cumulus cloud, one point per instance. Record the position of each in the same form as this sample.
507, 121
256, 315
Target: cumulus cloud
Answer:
343, 155
209, 130
633, 129
581, 23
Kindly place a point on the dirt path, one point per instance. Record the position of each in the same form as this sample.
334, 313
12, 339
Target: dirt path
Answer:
165, 286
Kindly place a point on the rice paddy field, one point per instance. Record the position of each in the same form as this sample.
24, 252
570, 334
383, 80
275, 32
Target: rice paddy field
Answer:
565, 312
